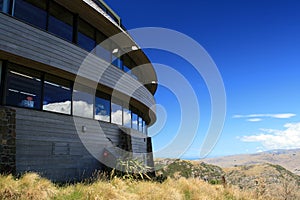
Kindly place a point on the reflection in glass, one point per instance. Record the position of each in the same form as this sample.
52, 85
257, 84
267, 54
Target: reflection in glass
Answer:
102, 47
86, 35
117, 62
102, 109
134, 121
57, 95
23, 88
116, 114
140, 124
103, 53
126, 69
60, 21
83, 102
144, 127
32, 11
127, 117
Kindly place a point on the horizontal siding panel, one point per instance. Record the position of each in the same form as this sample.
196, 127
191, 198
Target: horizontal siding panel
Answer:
49, 143
40, 46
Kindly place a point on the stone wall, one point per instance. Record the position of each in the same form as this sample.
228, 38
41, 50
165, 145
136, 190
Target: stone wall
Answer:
7, 140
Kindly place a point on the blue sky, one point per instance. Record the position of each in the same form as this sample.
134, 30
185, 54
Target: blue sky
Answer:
256, 47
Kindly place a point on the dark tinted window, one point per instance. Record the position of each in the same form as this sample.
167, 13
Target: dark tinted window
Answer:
1, 5
102, 47
102, 109
57, 95
61, 21
86, 35
23, 87
32, 11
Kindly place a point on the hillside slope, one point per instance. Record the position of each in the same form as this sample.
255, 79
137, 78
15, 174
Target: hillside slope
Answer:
289, 159
265, 180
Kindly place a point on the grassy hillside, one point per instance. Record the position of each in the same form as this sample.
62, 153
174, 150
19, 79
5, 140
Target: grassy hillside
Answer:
31, 186
176, 168
185, 181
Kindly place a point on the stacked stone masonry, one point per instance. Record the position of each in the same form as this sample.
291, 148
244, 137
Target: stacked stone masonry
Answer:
7, 140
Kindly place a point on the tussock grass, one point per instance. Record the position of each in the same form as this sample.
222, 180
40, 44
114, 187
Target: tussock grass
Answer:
32, 186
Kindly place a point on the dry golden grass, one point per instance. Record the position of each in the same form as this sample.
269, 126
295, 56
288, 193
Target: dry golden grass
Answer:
31, 186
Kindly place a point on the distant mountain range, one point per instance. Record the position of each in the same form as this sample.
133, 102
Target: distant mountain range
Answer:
289, 159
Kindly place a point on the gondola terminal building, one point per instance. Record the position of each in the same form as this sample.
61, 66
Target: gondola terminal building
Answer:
42, 45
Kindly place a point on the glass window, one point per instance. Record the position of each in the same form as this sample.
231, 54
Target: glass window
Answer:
140, 124
102, 108
23, 88
117, 62
134, 121
103, 53
1, 6
57, 95
102, 47
5, 6
86, 35
144, 127
32, 11
127, 117
116, 114
83, 101
60, 21
126, 69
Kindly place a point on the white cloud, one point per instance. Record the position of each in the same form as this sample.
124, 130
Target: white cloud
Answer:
288, 138
260, 117
61, 107
83, 109
254, 119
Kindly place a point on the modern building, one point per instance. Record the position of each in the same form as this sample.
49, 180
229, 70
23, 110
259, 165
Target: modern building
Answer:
59, 122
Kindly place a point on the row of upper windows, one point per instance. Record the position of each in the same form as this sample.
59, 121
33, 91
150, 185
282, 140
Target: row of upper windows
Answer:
32, 89
50, 16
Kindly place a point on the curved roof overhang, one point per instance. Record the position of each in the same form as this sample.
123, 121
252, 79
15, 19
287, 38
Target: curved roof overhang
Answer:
92, 13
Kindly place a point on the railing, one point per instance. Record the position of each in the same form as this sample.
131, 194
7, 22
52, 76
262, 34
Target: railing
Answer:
109, 12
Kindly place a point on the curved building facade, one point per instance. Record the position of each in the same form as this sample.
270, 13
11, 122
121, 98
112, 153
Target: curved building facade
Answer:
61, 114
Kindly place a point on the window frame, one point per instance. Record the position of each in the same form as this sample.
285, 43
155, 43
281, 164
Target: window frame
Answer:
71, 91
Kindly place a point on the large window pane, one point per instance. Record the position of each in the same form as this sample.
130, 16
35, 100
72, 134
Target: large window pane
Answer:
127, 117
83, 101
23, 88
57, 95
134, 121
116, 113
32, 11
60, 21
102, 109
86, 35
